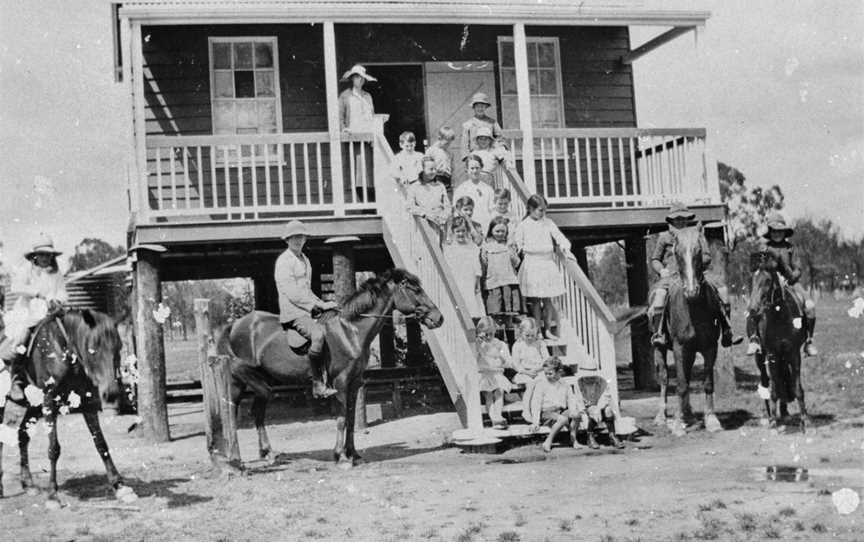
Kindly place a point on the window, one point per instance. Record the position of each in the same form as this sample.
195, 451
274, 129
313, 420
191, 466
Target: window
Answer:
244, 88
544, 78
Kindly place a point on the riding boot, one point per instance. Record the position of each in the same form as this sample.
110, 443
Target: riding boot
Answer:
658, 322
755, 346
728, 338
809, 349
320, 390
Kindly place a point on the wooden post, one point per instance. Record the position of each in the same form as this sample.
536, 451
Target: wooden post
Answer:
220, 425
152, 406
388, 346
523, 92
637, 294
334, 128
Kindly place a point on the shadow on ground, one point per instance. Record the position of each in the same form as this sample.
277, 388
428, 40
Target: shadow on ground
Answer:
95, 487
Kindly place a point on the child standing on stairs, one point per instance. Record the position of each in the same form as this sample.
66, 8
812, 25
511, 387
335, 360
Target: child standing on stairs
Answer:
528, 353
492, 359
463, 257
500, 261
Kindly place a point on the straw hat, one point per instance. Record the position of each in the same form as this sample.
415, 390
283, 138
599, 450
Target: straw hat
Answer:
679, 210
357, 69
480, 98
777, 222
45, 245
484, 131
295, 227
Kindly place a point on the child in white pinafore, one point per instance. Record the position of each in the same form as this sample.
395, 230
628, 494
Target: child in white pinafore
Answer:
528, 353
500, 261
406, 163
492, 359
463, 257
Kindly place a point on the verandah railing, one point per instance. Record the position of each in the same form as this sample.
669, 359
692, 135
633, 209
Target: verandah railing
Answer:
620, 167
235, 177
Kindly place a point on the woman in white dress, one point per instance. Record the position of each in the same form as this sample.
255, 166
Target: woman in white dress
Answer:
540, 281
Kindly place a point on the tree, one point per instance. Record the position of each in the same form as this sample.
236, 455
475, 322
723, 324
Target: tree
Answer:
91, 252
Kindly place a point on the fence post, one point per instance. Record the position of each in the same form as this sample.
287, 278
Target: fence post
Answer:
219, 423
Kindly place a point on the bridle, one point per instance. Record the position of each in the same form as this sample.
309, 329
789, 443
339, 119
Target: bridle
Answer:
401, 285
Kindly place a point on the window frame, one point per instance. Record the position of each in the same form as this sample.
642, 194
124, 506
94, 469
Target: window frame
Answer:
554, 40
278, 159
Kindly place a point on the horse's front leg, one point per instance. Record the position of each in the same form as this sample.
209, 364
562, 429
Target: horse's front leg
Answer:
350, 414
663, 378
13, 416
49, 410
24, 453
123, 492
795, 362
683, 365
709, 355
764, 390
339, 450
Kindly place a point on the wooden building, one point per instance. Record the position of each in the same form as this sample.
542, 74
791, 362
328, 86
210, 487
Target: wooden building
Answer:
234, 129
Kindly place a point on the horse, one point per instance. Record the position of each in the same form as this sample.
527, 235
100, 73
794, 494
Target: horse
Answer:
780, 362
693, 327
261, 352
72, 351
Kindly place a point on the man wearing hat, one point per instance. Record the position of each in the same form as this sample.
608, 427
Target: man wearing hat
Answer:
293, 274
40, 289
775, 242
479, 103
356, 111
664, 264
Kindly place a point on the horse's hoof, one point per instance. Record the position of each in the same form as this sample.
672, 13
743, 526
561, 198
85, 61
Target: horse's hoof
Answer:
660, 419
345, 464
125, 494
677, 426
712, 424
264, 454
53, 503
764, 422
31, 491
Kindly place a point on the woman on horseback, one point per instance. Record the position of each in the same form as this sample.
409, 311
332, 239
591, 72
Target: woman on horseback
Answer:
40, 290
777, 245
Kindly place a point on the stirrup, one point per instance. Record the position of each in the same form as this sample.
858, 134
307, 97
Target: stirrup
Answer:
659, 340
810, 350
321, 391
754, 348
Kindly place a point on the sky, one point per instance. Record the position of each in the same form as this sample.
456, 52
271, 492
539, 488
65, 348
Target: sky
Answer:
778, 84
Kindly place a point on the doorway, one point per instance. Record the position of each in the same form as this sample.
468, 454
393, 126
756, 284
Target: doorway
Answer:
399, 93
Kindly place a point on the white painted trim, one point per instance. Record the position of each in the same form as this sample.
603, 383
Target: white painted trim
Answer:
137, 82
555, 41
523, 90
334, 124
129, 118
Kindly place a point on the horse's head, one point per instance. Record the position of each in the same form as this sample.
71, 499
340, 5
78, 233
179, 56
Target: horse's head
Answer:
766, 285
688, 254
99, 345
409, 298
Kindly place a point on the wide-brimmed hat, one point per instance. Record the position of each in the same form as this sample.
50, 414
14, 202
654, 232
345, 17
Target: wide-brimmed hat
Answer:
357, 69
483, 131
480, 98
679, 210
295, 227
777, 222
45, 245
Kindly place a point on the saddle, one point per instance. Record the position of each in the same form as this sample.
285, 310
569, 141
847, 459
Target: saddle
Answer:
298, 343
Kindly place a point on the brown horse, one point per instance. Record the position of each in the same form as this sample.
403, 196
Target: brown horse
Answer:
261, 351
781, 342
693, 327
75, 351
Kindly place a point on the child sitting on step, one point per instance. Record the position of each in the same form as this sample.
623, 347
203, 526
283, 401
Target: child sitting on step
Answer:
548, 400
528, 352
492, 359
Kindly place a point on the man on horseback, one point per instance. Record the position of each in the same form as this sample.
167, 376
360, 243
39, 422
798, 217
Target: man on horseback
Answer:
776, 245
293, 274
664, 264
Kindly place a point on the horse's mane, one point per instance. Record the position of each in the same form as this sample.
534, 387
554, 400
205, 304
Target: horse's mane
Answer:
366, 296
86, 323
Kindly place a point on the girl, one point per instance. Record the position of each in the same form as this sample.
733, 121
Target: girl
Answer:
464, 207
551, 401
40, 289
463, 256
538, 238
528, 352
499, 262
492, 358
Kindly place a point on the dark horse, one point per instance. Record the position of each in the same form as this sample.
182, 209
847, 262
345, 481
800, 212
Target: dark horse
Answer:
783, 335
73, 351
261, 351
693, 327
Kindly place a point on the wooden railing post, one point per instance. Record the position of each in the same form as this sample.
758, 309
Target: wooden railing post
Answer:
220, 425
523, 91
334, 125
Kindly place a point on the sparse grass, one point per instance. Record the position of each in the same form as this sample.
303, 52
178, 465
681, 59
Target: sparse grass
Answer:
519, 519
82, 530
716, 504
771, 532
468, 534
632, 522
565, 525
787, 512
824, 492
312, 533
681, 537
799, 526
430, 532
711, 529
824, 459
819, 528
747, 522
321, 520
607, 538
509, 536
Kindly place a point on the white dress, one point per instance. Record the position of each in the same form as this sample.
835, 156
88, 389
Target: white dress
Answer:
464, 261
539, 276
36, 287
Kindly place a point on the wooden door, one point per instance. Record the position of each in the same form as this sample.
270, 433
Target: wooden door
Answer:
449, 88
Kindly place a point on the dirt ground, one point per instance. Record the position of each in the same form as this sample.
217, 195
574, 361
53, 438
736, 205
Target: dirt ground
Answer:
413, 487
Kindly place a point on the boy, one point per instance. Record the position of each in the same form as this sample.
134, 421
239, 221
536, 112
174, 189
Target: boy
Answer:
549, 400
593, 392
443, 159
406, 165
464, 207
427, 197
776, 243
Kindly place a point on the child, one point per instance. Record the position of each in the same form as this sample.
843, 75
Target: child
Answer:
479, 104
500, 262
443, 159
492, 358
480, 192
427, 197
501, 207
483, 149
464, 207
593, 393
539, 279
528, 352
549, 400
463, 256
407, 163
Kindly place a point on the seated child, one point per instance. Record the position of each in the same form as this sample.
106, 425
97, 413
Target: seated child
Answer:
528, 352
464, 207
549, 400
427, 197
499, 262
597, 400
443, 159
406, 164
492, 358
463, 257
